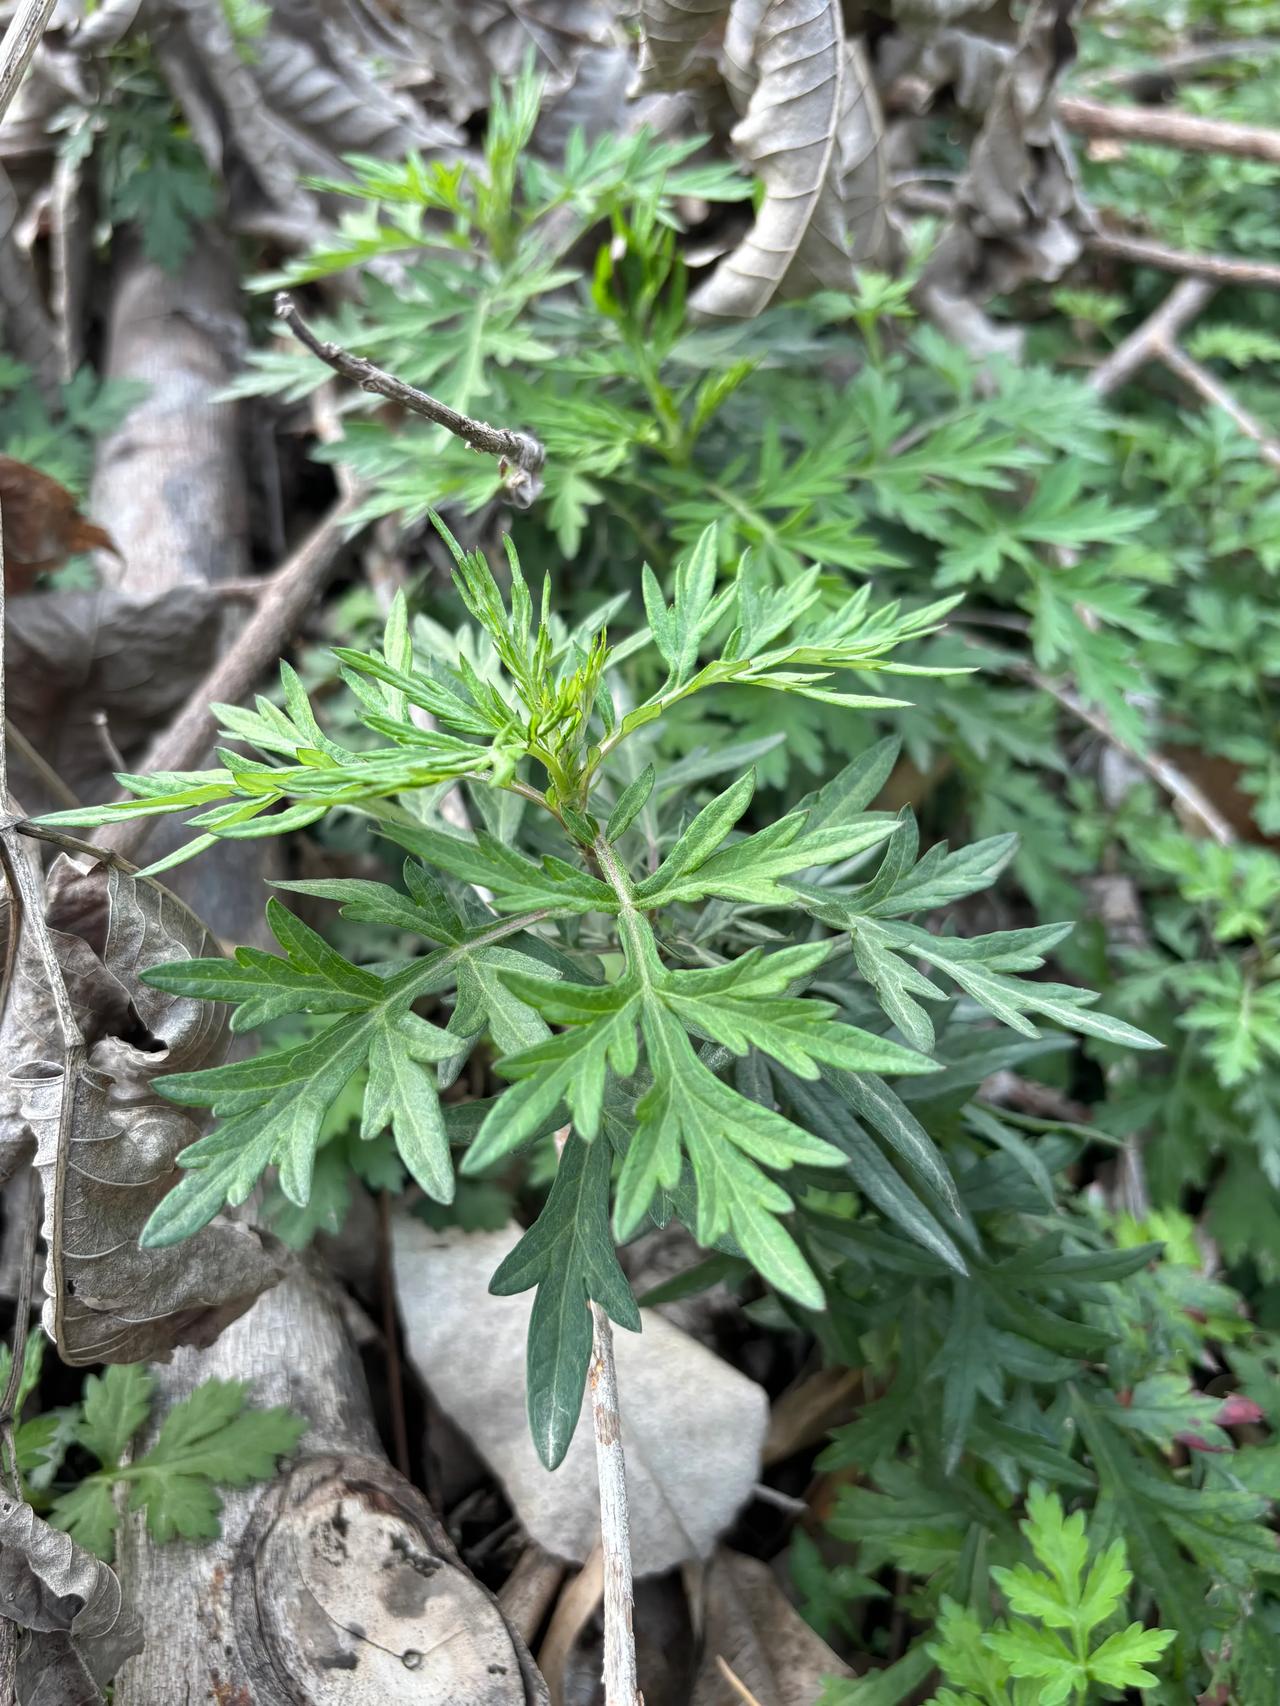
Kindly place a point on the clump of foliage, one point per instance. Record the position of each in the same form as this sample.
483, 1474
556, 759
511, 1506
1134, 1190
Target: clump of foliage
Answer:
150, 174
616, 921
1047, 1649
210, 1439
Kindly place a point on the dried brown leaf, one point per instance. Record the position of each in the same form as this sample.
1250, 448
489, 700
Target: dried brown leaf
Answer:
467, 46
1018, 210
964, 66
321, 88
108, 1300
933, 12
812, 129
77, 1634
673, 31
753, 1627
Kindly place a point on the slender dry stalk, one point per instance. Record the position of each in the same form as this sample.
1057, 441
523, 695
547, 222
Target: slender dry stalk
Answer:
20, 41
1212, 391
621, 1683
735, 1682
285, 596
1155, 334
1182, 62
1162, 770
1124, 246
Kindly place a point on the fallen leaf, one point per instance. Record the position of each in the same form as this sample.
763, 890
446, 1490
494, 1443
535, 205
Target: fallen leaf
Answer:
70, 1605
108, 1299
42, 524
672, 32
692, 1426
811, 128
1018, 210
751, 1625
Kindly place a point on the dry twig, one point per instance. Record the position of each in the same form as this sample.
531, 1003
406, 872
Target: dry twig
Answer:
1125, 246
1221, 269
1155, 334
1183, 62
1211, 389
20, 41
1160, 127
1161, 770
285, 595
520, 455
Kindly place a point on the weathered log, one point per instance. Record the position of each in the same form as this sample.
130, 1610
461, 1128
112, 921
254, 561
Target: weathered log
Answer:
169, 478
333, 1583
171, 481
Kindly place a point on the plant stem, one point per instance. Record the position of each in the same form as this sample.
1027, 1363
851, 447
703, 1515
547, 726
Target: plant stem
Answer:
621, 1684
20, 41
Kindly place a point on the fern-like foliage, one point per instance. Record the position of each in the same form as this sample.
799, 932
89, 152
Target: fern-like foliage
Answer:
551, 938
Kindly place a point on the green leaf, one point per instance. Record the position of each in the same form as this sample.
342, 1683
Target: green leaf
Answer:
116, 1403
88, 1514
1122, 1659
568, 1254
569, 1069
209, 1438
401, 1094
822, 1110
729, 1141
516, 883
273, 1107
631, 802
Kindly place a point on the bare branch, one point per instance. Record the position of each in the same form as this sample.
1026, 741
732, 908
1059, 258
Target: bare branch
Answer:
1161, 127
1183, 62
1206, 385
20, 41
1125, 246
1222, 269
520, 455
1163, 771
1154, 335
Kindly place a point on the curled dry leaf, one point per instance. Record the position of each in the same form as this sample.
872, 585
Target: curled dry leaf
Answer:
321, 88
108, 1300
812, 129
467, 46
692, 1426
750, 1624
673, 31
203, 26
1018, 210
77, 1634
964, 66
29, 333
934, 12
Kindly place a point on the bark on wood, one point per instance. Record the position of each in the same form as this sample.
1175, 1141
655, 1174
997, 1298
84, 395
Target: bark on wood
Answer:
333, 1584
169, 478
